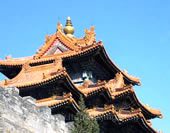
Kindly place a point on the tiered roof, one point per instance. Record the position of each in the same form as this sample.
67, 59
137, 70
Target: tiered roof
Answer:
46, 67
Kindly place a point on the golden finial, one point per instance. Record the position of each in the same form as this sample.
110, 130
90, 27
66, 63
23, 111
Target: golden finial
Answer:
69, 29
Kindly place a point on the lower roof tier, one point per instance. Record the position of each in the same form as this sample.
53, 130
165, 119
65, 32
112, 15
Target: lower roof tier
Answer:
31, 79
107, 113
115, 92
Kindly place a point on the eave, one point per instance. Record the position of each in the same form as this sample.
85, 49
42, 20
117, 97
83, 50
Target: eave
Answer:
121, 117
55, 102
72, 55
31, 78
98, 48
112, 65
115, 92
151, 113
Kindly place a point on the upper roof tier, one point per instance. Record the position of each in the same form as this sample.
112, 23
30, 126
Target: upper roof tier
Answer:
64, 46
58, 43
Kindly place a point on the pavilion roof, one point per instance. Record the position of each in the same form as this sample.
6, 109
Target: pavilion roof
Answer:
36, 70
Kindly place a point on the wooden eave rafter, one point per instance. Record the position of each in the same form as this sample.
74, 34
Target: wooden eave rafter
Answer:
121, 117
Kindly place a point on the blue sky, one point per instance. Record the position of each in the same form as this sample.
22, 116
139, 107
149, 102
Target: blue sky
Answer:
136, 35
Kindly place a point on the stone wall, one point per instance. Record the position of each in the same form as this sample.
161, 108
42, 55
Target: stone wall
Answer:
20, 115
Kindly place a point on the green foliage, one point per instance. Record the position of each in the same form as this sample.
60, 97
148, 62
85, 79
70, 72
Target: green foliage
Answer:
82, 122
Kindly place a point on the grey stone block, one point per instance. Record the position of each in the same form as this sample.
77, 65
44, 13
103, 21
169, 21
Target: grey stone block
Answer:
21, 115
29, 99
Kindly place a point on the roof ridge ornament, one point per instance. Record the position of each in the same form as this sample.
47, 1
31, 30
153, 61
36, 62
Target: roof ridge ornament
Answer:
8, 57
6, 81
58, 64
131, 77
59, 26
69, 29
